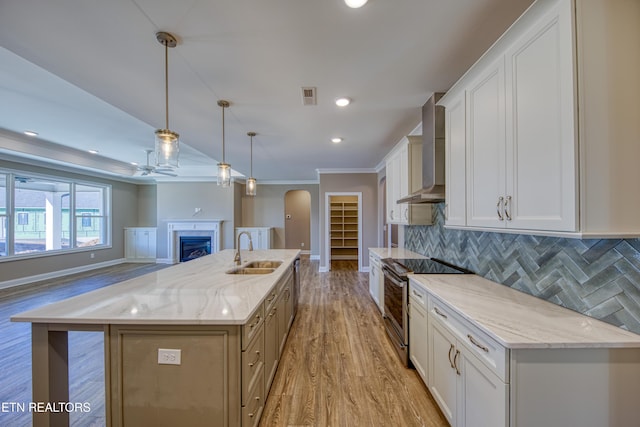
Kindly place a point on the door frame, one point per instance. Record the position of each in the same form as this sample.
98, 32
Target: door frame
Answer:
327, 222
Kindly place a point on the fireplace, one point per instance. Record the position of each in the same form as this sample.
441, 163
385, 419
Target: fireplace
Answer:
192, 247
192, 228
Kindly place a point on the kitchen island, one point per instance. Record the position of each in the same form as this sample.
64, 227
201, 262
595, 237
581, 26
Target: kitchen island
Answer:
187, 345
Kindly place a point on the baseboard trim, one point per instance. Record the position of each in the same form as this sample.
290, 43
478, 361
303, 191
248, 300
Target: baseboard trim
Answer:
323, 269
314, 257
55, 274
164, 261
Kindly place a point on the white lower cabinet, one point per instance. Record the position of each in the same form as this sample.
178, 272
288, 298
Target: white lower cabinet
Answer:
485, 397
553, 367
376, 281
443, 378
140, 244
469, 393
418, 331
261, 237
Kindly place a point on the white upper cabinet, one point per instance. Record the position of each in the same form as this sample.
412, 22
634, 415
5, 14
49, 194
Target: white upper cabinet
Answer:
455, 157
541, 144
404, 176
551, 125
486, 148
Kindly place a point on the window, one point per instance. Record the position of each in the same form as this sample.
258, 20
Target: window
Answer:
41, 214
23, 218
3, 214
89, 215
39, 217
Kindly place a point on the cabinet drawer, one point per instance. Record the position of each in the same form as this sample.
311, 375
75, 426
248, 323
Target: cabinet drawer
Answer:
418, 295
252, 363
488, 350
252, 327
252, 411
271, 299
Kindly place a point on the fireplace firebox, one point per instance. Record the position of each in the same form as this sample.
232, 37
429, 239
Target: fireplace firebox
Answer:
192, 247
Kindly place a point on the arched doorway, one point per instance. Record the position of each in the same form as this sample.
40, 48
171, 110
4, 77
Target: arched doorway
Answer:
297, 222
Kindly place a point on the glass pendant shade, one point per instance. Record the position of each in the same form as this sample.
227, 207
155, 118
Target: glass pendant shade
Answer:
251, 182
224, 168
224, 174
167, 141
251, 186
167, 148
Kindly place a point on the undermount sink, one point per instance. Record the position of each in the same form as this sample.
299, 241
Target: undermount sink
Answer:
256, 267
264, 264
251, 270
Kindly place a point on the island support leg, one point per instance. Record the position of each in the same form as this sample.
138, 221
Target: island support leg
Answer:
50, 374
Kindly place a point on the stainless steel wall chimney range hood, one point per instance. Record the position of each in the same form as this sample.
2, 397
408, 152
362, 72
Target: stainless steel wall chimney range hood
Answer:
432, 190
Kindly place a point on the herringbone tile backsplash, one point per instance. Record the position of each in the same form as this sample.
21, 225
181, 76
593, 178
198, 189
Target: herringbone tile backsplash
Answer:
599, 278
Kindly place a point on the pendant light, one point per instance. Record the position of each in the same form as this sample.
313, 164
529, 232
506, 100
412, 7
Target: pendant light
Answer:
224, 169
251, 181
167, 141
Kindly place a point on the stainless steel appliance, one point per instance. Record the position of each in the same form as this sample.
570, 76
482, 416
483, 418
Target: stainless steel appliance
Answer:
432, 154
396, 284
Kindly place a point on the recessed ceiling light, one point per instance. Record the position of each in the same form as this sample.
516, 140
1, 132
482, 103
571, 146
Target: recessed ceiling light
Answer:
94, 151
355, 3
134, 163
30, 133
343, 102
336, 140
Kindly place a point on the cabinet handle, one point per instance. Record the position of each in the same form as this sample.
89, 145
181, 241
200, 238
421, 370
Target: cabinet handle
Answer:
255, 361
451, 361
406, 214
455, 362
439, 313
477, 344
507, 208
273, 312
272, 297
416, 294
251, 414
256, 322
499, 208
391, 214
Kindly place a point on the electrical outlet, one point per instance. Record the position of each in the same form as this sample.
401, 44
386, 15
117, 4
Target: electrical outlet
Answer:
92, 255
302, 244
169, 356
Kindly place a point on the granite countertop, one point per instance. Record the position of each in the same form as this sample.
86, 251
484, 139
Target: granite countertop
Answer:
398, 253
198, 292
518, 320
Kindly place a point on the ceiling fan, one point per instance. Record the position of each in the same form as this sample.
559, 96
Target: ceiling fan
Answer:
149, 169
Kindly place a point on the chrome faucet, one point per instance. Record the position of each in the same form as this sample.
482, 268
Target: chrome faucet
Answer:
237, 259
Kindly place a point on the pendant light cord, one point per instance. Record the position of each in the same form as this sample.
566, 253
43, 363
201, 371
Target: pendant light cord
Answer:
251, 151
166, 82
223, 133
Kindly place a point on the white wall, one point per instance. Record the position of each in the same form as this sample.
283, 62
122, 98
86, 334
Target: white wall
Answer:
178, 201
266, 209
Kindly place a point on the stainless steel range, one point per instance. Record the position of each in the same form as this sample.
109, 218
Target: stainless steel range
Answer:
396, 284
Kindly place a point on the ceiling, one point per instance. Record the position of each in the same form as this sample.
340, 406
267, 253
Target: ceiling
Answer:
89, 74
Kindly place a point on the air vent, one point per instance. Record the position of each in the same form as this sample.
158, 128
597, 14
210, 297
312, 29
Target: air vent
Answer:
308, 96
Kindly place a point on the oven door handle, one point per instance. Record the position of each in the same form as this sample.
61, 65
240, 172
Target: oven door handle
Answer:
391, 277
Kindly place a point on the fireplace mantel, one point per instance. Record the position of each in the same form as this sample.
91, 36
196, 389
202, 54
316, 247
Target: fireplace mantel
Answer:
189, 227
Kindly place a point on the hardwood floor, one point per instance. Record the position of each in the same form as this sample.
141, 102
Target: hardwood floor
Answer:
338, 368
